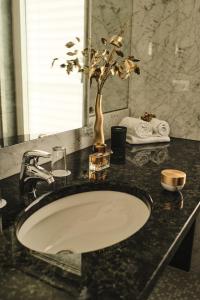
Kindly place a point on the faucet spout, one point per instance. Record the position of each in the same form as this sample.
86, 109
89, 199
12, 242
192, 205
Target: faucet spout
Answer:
31, 170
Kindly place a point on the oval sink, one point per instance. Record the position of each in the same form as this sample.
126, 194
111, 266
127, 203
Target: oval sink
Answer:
84, 222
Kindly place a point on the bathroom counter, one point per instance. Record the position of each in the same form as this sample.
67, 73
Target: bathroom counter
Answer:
127, 270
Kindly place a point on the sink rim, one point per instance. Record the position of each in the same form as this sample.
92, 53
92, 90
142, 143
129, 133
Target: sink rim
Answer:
54, 196
71, 189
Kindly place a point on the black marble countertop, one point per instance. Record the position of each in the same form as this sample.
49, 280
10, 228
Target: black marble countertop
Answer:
127, 270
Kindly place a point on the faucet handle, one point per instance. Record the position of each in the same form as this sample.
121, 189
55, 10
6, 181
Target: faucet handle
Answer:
34, 155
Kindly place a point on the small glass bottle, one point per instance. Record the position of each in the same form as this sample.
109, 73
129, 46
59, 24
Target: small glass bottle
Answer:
98, 176
59, 162
100, 159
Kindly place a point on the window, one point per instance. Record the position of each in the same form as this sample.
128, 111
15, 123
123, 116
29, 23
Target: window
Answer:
49, 100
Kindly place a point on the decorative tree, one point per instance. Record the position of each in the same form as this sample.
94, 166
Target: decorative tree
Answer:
99, 65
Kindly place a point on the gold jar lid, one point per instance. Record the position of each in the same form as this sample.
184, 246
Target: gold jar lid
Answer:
173, 177
99, 148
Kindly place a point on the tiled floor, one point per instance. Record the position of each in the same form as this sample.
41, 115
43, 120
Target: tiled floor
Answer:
24, 288
175, 284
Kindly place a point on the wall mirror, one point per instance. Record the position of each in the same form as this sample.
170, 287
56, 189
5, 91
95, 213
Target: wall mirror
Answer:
36, 98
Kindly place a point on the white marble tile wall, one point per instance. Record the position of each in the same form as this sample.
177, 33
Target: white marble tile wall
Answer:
166, 37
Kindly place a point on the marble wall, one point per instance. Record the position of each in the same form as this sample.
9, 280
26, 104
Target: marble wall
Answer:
108, 17
166, 37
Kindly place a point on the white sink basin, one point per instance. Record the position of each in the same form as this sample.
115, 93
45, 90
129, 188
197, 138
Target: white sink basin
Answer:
84, 222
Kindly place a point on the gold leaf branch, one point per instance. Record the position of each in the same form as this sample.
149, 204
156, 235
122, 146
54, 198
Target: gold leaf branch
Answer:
102, 64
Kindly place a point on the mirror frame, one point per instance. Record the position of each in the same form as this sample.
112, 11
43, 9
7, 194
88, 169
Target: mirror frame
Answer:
20, 70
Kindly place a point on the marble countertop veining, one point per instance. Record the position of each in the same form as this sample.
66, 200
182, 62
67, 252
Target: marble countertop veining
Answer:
127, 270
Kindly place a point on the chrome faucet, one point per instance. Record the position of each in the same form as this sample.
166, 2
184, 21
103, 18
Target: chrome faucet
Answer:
30, 170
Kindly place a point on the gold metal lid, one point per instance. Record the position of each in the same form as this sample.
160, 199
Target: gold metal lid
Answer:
100, 148
173, 177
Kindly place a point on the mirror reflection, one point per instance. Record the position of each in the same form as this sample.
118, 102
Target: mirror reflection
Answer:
39, 99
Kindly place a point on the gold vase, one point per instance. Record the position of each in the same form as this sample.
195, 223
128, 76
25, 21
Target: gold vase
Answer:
99, 139
100, 159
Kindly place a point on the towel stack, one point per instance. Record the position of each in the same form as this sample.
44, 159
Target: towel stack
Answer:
142, 132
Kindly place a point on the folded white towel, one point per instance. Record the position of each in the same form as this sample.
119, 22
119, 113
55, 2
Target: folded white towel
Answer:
160, 127
137, 127
152, 139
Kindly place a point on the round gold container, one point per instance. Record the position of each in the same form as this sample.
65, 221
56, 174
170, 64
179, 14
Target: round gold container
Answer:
173, 180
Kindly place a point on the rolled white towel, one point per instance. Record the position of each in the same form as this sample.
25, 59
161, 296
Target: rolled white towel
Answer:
137, 127
152, 139
160, 127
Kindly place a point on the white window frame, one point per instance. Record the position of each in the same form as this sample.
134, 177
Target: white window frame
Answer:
20, 60
20, 69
